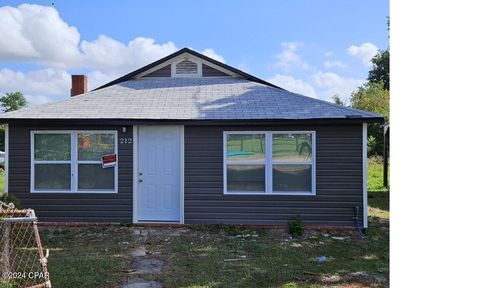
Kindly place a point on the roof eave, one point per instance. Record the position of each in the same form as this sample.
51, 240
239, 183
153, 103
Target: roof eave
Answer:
117, 121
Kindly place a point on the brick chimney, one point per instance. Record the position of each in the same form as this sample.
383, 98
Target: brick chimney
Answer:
79, 85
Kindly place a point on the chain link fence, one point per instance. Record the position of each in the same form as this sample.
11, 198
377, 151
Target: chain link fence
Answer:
22, 259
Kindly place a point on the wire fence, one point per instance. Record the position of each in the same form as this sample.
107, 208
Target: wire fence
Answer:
22, 259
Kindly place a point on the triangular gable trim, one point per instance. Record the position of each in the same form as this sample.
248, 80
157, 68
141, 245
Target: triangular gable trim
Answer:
134, 74
179, 58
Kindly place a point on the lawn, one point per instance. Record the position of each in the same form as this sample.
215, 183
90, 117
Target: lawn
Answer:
375, 174
87, 257
227, 256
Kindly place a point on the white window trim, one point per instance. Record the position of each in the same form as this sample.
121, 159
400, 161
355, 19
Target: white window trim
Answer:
7, 152
74, 162
268, 163
364, 174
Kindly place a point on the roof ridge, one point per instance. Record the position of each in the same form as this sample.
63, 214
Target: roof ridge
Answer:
129, 76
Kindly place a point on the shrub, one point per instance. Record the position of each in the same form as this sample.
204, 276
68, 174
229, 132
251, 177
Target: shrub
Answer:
295, 227
9, 198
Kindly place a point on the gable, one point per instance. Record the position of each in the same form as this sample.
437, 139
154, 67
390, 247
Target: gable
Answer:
161, 72
188, 65
213, 68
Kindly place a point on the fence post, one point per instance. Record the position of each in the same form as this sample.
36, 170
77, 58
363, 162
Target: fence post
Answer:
5, 247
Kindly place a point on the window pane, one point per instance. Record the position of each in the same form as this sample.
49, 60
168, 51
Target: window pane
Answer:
292, 147
92, 146
246, 147
52, 176
52, 147
93, 176
245, 178
292, 178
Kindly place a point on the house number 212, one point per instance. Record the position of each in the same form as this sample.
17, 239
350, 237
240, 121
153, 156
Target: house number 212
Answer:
127, 140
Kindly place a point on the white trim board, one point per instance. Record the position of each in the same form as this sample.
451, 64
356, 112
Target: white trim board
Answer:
180, 58
364, 174
7, 147
135, 175
182, 174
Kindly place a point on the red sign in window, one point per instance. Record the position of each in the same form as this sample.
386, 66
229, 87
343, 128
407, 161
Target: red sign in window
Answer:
109, 160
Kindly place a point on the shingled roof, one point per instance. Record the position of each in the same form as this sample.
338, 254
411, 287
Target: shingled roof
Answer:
189, 99
240, 96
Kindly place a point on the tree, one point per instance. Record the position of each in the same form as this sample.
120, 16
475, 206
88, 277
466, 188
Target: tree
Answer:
339, 101
374, 98
13, 101
10, 102
380, 72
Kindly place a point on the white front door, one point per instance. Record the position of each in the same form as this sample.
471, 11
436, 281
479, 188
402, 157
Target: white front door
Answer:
159, 173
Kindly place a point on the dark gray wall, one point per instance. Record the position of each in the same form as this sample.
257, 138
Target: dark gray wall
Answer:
163, 72
83, 207
208, 71
338, 181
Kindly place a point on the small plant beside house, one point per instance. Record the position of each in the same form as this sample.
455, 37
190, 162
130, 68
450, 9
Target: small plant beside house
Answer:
296, 227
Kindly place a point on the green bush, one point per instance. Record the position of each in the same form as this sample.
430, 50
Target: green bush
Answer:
295, 227
9, 198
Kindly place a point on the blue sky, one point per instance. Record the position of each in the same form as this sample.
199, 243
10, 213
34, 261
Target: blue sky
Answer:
317, 48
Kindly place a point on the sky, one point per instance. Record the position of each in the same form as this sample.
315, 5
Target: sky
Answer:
312, 47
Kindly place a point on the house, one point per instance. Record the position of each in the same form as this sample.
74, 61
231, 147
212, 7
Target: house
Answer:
188, 139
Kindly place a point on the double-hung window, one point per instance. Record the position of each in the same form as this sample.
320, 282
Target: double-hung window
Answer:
276, 162
70, 161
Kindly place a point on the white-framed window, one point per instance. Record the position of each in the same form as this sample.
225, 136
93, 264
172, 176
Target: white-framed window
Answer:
70, 161
269, 162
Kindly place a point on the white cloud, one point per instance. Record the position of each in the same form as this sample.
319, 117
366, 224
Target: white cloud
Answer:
294, 85
331, 83
33, 32
339, 64
107, 54
209, 52
35, 100
364, 52
328, 54
288, 58
45, 82
40, 86
37, 34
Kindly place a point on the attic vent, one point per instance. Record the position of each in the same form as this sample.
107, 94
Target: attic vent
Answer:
186, 67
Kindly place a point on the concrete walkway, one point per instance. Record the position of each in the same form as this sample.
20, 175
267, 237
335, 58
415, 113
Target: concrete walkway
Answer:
148, 260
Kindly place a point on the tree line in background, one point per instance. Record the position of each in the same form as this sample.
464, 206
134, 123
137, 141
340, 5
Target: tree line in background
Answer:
10, 102
374, 96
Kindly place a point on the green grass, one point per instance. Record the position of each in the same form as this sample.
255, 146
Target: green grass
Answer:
87, 257
201, 256
272, 260
375, 174
98, 256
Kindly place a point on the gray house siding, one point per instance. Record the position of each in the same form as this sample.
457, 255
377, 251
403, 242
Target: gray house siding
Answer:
162, 72
338, 180
208, 71
81, 207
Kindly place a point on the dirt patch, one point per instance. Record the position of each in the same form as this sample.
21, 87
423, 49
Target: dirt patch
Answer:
148, 256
